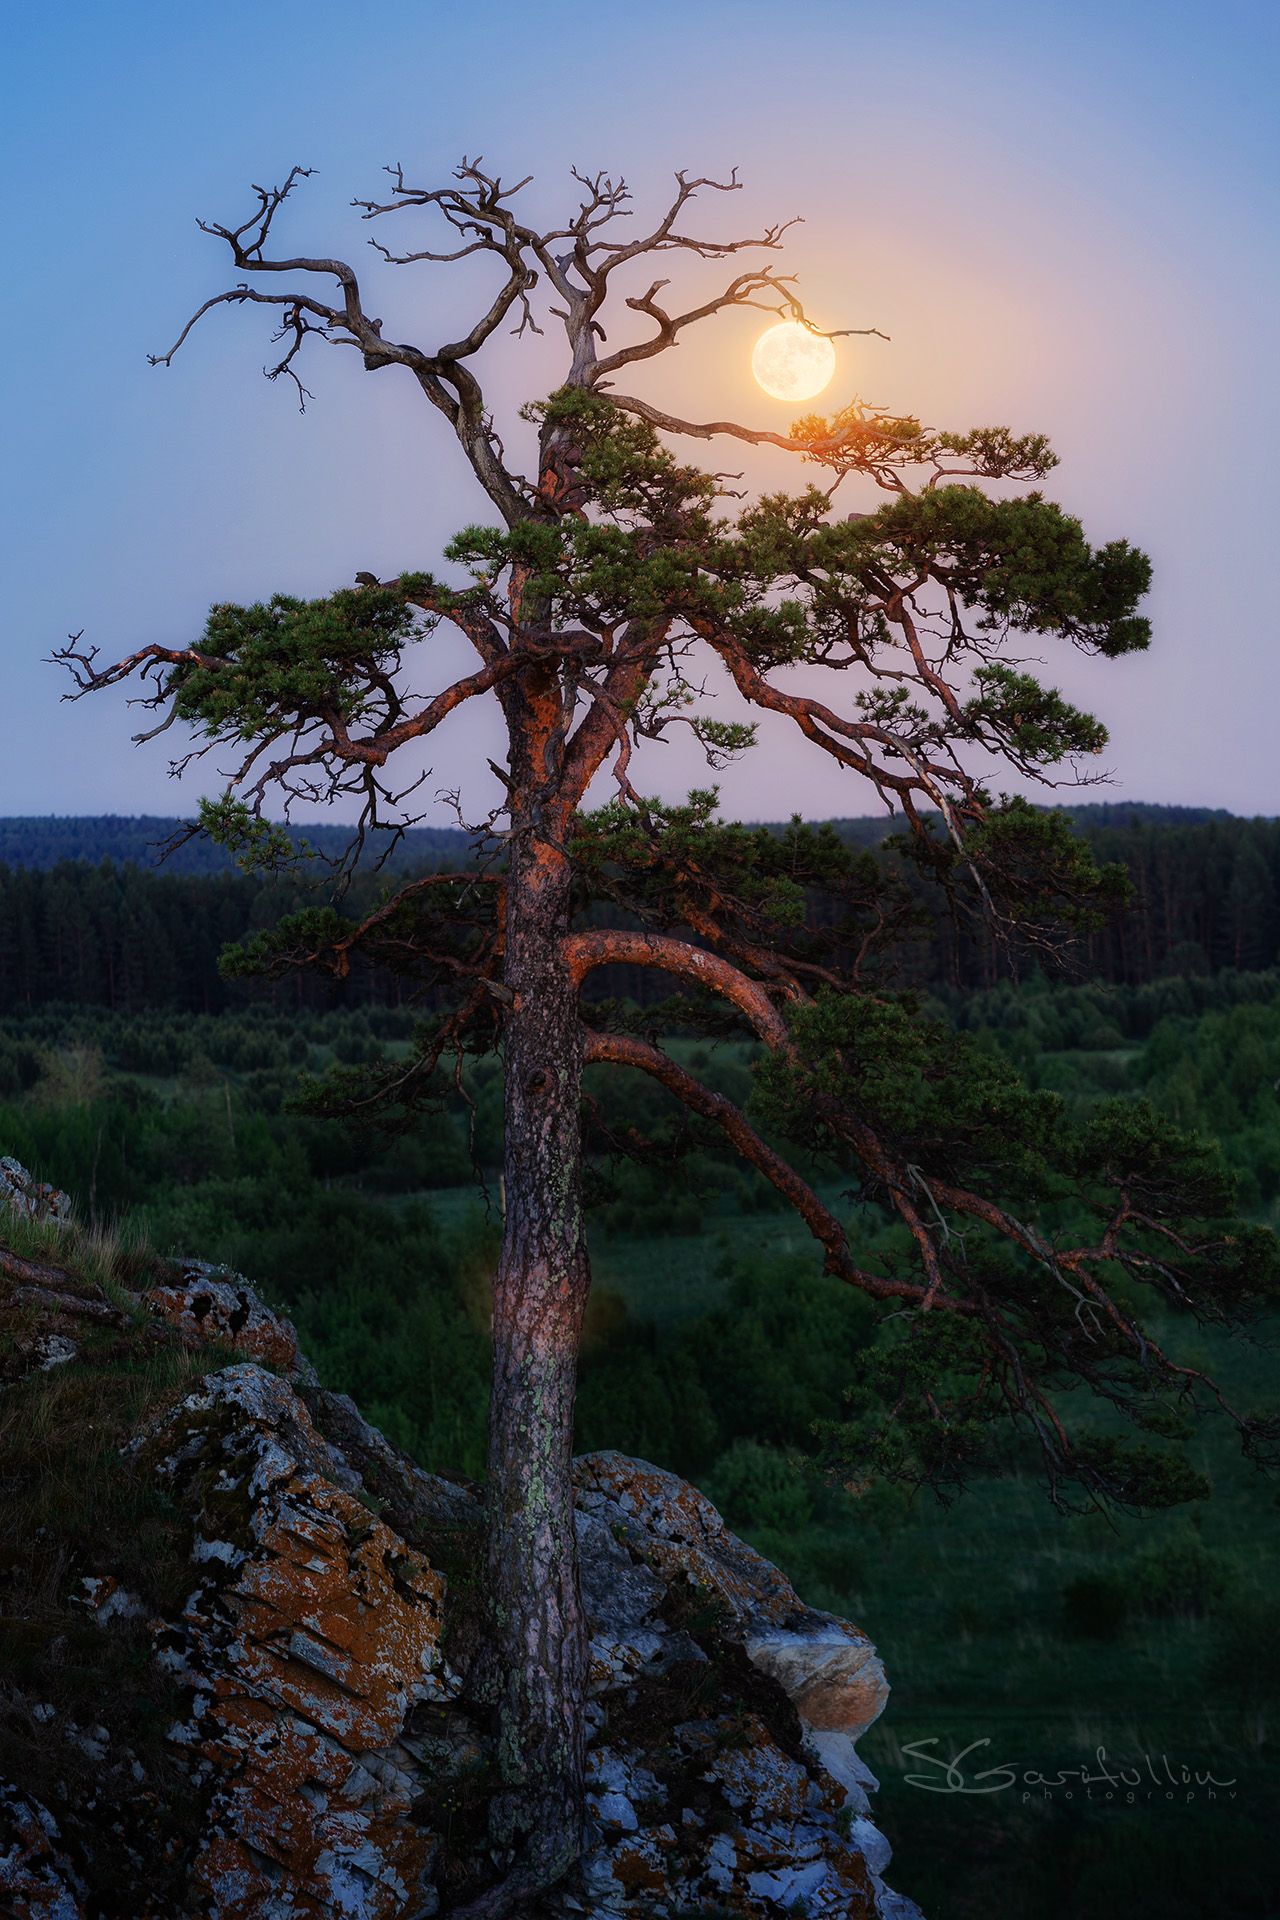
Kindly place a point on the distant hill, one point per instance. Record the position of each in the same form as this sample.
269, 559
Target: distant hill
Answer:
42, 840
1089, 817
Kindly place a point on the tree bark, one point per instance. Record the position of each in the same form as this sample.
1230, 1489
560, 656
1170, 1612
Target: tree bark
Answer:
537, 1630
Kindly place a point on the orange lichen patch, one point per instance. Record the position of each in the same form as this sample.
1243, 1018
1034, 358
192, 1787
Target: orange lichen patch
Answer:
338, 1618
313, 1636
298, 1810
859, 1895
753, 1773
206, 1306
601, 1673
35, 1881
632, 1870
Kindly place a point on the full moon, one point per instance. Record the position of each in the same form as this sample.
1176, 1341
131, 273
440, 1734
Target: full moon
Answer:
791, 363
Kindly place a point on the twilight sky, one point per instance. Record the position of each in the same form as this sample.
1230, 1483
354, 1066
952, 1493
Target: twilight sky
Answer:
1063, 212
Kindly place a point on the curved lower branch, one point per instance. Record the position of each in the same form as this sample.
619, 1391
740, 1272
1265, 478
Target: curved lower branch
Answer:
625, 1050
617, 946
585, 951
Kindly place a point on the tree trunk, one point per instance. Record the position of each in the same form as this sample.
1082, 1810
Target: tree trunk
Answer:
538, 1635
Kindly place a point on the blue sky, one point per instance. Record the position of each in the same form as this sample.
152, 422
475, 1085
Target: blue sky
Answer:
1063, 214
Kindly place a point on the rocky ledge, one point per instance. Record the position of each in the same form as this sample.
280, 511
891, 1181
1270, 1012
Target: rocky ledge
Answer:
302, 1640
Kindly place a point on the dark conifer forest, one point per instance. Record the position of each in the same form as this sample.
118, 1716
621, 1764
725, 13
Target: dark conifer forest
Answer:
90, 913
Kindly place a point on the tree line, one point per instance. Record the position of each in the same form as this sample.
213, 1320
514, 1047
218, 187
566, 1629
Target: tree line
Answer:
111, 933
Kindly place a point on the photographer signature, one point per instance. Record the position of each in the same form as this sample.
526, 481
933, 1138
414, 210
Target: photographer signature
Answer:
950, 1776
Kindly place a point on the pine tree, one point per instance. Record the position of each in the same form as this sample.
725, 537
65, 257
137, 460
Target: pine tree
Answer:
615, 575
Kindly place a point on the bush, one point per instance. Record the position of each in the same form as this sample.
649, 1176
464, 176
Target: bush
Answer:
1180, 1576
1094, 1607
759, 1486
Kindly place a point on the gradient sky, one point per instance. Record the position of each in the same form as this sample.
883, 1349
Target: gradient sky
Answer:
1064, 215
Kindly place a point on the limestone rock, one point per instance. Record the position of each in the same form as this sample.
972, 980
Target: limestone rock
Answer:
105, 1600
312, 1634
28, 1352
36, 1880
29, 1198
208, 1303
758, 1805
335, 1759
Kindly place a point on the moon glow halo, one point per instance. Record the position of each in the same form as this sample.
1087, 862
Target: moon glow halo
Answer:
790, 363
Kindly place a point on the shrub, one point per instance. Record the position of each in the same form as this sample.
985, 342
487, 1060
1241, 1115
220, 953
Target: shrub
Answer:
1180, 1576
759, 1486
1094, 1607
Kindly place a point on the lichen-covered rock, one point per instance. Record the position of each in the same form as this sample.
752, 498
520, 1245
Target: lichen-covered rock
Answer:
757, 1806
208, 1303
312, 1634
643, 1523
36, 1880
336, 1765
29, 1198
31, 1352
105, 1600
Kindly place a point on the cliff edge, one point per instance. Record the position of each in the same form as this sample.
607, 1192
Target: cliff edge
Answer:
237, 1629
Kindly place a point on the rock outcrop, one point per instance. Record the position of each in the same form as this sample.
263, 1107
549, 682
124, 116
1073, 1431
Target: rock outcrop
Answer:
208, 1304
328, 1754
724, 1771
30, 1199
